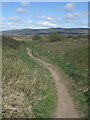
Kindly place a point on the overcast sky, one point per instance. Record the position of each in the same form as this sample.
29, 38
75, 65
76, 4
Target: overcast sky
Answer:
19, 15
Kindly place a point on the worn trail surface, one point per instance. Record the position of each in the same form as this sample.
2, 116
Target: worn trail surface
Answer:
65, 106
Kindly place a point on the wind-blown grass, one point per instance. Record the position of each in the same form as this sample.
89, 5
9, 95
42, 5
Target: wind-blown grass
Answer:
28, 88
72, 57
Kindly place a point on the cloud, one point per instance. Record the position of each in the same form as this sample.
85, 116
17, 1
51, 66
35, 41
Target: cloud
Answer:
14, 19
0, 4
15, 23
74, 16
47, 24
25, 3
70, 16
9, 25
2, 19
28, 21
20, 10
46, 18
76, 24
83, 24
69, 7
0, 26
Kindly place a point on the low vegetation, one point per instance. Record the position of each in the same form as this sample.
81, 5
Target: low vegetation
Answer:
28, 88
36, 37
54, 37
72, 56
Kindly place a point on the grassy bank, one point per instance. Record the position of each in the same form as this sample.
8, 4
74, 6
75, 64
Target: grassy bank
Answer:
28, 88
72, 57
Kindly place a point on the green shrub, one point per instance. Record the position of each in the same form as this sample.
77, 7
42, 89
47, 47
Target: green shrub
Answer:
36, 37
54, 37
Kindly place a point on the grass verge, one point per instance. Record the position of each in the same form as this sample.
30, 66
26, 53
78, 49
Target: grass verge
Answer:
28, 88
74, 62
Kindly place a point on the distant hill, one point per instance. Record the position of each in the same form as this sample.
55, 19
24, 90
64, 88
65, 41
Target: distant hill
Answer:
66, 31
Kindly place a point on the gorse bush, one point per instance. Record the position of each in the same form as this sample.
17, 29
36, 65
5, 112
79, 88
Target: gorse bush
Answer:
54, 37
36, 37
8, 42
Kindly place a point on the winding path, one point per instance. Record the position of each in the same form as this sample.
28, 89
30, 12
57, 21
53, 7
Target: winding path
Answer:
65, 106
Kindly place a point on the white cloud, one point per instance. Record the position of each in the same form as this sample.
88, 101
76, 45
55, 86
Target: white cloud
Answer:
0, 25
40, 27
75, 24
83, 24
47, 24
70, 16
50, 18
70, 6
14, 19
18, 20
25, 3
28, 21
15, 23
9, 25
46, 18
74, 16
0, 4
2, 19
20, 10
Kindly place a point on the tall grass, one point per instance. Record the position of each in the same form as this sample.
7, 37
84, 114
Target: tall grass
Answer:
28, 88
74, 62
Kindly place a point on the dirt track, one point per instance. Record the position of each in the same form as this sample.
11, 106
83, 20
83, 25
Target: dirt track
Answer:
65, 106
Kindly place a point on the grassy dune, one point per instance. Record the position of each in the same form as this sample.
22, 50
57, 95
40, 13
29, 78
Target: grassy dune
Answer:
28, 88
72, 57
